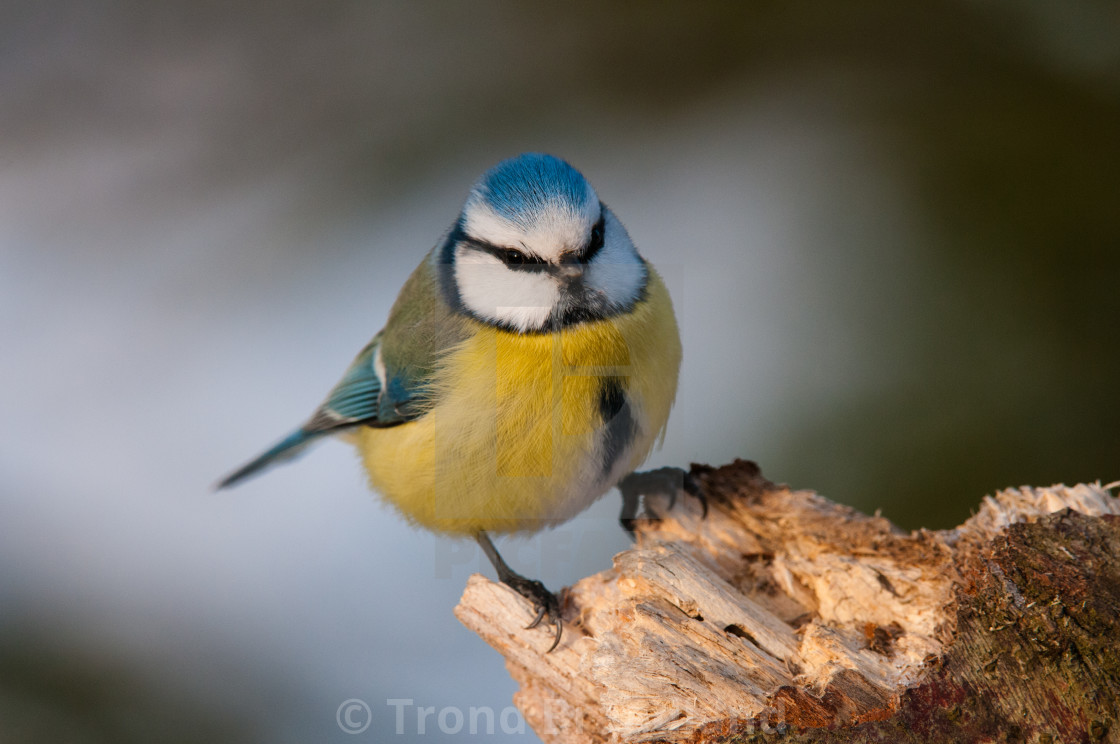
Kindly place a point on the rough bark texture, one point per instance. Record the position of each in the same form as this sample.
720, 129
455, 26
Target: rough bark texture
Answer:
785, 617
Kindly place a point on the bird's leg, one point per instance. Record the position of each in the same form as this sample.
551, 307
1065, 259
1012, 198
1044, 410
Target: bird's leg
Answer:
631, 503
544, 601
637, 487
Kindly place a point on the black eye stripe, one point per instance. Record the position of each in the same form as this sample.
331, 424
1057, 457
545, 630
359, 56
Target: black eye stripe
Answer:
518, 259
522, 261
511, 257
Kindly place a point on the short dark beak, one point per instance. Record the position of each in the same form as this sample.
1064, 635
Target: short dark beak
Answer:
570, 270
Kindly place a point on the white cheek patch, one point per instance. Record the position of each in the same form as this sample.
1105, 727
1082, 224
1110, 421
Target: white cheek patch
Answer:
617, 271
492, 291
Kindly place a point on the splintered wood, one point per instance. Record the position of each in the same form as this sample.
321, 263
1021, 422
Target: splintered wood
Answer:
780, 611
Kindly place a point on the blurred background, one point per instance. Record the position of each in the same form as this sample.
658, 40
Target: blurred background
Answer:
892, 233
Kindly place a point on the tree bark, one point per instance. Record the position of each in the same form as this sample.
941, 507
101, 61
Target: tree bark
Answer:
782, 616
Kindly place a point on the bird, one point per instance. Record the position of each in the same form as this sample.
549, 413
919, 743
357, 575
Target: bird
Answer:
527, 367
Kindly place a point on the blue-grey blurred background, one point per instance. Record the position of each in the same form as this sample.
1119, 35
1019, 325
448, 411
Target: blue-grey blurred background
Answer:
892, 232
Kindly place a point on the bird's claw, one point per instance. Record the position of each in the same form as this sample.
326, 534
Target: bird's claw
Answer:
637, 487
543, 601
692, 487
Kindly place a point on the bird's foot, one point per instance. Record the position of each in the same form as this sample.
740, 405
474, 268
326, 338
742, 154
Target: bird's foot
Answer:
636, 489
544, 602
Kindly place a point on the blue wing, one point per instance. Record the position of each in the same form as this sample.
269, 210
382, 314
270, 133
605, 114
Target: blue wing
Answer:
355, 399
360, 398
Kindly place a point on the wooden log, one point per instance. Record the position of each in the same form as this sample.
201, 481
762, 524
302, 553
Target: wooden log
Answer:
785, 617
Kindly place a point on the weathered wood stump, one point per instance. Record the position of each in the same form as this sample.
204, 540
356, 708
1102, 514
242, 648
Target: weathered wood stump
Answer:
785, 617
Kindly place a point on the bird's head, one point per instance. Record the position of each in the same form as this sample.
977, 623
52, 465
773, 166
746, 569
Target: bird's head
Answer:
534, 249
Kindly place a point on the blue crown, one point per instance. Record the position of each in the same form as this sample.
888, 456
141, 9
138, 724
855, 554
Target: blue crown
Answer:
521, 188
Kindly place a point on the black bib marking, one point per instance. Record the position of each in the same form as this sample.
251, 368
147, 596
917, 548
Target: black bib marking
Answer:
618, 421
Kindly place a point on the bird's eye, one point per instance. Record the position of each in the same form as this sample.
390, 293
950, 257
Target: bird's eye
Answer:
595, 244
596, 237
513, 257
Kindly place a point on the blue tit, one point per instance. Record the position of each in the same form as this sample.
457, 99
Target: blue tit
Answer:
527, 367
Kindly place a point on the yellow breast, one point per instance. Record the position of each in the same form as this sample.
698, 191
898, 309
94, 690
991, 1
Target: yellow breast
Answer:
518, 439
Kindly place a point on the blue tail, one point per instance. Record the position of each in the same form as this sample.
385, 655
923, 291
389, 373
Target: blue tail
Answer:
286, 449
